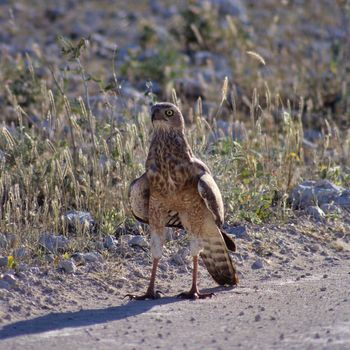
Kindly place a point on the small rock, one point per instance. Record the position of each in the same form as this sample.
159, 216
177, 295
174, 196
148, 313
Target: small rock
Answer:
52, 243
308, 193
316, 213
20, 253
258, 264
78, 258
21, 267
312, 135
34, 270
79, 220
21, 275
314, 248
67, 266
330, 208
257, 318
138, 241
343, 200
109, 242
10, 279
54, 13
8, 240
236, 8
4, 285
237, 231
3, 261
92, 257
164, 11
16, 308
3, 241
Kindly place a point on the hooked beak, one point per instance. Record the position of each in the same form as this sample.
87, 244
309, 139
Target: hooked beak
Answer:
155, 114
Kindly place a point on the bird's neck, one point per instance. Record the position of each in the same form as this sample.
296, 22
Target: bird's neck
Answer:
171, 140
169, 144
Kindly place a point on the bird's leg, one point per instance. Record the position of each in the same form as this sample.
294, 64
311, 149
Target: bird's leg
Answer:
150, 293
194, 292
157, 241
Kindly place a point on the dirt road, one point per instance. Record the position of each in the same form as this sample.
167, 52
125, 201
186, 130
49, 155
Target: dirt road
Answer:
302, 311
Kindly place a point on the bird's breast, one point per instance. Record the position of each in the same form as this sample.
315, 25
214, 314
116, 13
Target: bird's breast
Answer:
168, 164
169, 176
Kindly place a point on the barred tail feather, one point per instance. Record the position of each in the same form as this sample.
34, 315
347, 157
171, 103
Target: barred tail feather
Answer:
217, 260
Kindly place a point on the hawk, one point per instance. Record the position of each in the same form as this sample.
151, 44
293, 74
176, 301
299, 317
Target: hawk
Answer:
178, 190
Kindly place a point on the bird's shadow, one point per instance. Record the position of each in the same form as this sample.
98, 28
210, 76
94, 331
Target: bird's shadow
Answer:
88, 317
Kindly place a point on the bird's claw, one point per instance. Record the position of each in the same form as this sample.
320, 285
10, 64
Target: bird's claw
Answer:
195, 295
149, 295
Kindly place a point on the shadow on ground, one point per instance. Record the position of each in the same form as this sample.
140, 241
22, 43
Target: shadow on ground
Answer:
57, 321
89, 317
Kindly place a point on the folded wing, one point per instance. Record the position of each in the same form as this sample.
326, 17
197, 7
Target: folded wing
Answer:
209, 191
216, 242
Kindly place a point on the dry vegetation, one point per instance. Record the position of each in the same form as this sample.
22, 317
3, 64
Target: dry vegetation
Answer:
74, 112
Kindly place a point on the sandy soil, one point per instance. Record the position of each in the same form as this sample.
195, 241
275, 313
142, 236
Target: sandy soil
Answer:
300, 298
274, 313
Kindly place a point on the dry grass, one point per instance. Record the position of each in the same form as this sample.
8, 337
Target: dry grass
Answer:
73, 139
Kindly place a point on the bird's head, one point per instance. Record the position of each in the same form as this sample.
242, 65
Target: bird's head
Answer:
167, 116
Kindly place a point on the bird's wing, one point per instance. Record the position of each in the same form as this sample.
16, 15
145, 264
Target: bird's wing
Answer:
209, 191
139, 202
229, 240
216, 242
215, 255
139, 198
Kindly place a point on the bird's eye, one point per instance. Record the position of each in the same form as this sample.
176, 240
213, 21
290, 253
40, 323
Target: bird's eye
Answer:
169, 112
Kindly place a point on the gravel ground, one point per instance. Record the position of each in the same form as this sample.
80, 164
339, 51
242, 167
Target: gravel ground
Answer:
284, 313
295, 300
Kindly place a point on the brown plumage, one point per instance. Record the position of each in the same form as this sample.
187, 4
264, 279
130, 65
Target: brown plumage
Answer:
177, 190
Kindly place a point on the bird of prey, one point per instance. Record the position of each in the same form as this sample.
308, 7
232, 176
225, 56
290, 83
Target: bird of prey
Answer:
178, 190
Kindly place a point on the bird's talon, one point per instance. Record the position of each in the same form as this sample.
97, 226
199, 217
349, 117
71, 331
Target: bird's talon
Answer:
208, 295
195, 295
152, 296
130, 296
